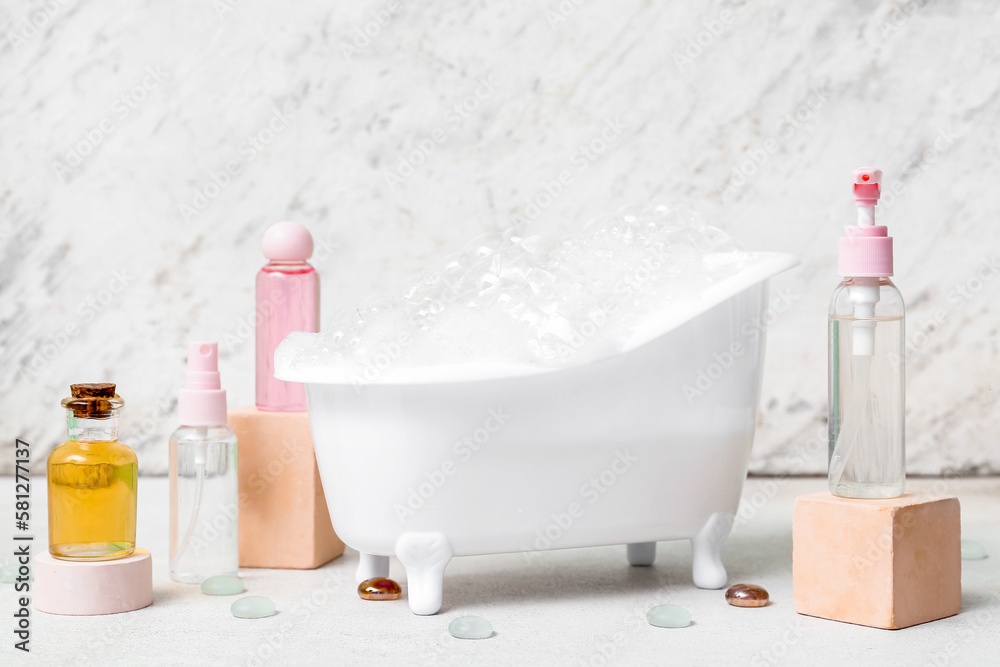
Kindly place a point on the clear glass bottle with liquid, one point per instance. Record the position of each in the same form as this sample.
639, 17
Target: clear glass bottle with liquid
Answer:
204, 493
92, 480
867, 360
867, 398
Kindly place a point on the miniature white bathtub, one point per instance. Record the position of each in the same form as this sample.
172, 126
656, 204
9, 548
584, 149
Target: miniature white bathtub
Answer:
651, 444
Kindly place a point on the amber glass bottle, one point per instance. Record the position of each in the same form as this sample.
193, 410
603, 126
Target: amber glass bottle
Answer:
92, 480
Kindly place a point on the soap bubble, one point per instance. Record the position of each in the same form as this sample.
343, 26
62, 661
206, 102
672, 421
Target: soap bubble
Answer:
524, 298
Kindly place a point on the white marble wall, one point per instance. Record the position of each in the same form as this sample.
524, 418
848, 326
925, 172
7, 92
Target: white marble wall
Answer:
123, 235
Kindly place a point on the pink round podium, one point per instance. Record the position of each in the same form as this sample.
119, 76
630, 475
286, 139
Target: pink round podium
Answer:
77, 588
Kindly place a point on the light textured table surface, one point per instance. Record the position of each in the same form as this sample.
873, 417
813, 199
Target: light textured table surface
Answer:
562, 608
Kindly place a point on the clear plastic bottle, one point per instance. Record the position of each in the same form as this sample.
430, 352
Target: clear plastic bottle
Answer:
866, 364
204, 492
867, 395
287, 300
204, 538
92, 480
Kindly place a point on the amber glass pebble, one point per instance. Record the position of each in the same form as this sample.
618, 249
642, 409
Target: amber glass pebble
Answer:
378, 589
747, 595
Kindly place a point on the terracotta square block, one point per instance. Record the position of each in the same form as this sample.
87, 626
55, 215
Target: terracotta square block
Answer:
885, 563
284, 520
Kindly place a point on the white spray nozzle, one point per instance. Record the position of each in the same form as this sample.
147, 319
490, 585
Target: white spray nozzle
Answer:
867, 176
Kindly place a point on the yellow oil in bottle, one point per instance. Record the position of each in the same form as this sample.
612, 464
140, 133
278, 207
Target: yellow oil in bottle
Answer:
92, 479
92, 499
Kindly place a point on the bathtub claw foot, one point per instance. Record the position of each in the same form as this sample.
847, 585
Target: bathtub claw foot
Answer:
706, 551
371, 566
425, 556
641, 554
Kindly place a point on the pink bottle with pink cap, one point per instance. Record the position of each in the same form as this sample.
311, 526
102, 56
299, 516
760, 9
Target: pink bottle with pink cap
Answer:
284, 519
867, 401
287, 300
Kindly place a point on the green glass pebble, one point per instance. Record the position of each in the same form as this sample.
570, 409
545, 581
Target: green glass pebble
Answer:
252, 606
10, 573
973, 550
669, 616
222, 584
470, 627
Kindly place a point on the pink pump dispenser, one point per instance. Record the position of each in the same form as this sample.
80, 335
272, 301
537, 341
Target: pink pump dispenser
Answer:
202, 401
867, 404
287, 300
866, 249
866, 256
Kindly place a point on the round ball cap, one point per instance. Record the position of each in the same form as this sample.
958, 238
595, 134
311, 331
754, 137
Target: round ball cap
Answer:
287, 241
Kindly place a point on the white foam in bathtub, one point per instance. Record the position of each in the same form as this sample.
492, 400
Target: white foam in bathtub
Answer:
527, 302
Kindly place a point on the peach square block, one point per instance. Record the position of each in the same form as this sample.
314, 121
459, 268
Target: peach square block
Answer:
885, 563
284, 520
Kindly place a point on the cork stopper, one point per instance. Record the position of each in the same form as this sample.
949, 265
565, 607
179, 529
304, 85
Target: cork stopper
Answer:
95, 390
93, 400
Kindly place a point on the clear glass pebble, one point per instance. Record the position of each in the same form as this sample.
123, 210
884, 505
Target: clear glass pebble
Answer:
379, 588
252, 606
747, 595
470, 627
10, 573
972, 550
669, 616
223, 584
